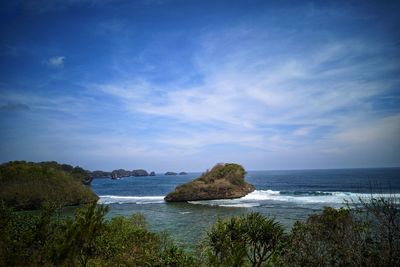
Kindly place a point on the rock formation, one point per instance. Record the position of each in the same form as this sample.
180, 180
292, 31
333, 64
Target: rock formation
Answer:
224, 181
139, 172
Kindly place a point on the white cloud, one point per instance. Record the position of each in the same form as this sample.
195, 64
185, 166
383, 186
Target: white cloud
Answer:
303, 131
247, 98
56, 62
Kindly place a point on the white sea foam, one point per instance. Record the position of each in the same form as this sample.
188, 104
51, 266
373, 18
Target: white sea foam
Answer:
240, 205
233, 203
111, 199
256, 198
312, 197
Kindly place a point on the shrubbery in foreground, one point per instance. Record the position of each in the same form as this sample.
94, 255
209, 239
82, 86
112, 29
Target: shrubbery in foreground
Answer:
363, 235
366, 234
87, 239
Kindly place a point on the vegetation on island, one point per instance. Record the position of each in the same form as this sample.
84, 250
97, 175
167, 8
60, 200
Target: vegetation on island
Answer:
366, 235
27, 185
223, 181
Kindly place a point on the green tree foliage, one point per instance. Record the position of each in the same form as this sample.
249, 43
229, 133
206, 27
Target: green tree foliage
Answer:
366, 235
264, 238
332, 238
382, 215
27, 185
251, 239
87, 239
225, 243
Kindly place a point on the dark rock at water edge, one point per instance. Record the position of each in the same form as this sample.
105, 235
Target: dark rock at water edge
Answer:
171, 173
152, 174
223, 181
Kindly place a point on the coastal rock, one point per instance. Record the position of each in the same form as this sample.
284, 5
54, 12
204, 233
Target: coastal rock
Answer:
171, 173
183, 173
139, 172
152, 174
223, 181
100, 174
117, 174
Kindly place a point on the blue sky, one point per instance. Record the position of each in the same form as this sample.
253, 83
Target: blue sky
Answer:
182, 85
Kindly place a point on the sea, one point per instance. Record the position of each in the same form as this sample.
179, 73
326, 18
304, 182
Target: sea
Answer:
286, 195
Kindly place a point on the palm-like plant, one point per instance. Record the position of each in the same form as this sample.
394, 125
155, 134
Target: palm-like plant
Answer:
252, 236
263, 237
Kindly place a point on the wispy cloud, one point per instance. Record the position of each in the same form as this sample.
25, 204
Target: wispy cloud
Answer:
304, 91
262, 102
14, 107
56, 62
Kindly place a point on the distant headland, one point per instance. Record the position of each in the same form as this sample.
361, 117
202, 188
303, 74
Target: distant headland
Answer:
28, 185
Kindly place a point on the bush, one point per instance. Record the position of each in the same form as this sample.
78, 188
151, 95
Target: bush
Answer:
250, 239
332, 238
382, 215
27, 185
46, 239
366, 235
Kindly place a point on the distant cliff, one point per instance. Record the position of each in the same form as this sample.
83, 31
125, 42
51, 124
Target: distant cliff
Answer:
175, 173
124, 173
116, 174
100, 174
27, 185
224, 181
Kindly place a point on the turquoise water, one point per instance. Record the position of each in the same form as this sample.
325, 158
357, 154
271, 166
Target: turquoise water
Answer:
285, 195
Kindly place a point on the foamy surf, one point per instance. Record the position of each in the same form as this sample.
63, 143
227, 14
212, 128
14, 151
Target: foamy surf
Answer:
258, 198
231, 203
111, 199
312, 196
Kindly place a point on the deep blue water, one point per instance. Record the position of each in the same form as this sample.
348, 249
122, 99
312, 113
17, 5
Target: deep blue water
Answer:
285, 195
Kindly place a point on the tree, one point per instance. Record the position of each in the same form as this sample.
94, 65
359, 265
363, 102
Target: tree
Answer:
263, 238
225, 243
382, 215
252, 237
333, 238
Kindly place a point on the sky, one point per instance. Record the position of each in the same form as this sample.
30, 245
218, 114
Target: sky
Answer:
181, 84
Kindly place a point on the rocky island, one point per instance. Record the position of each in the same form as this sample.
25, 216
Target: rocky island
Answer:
223, 181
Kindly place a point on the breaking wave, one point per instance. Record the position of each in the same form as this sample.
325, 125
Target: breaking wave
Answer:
258, 198
312, 196
110, 199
